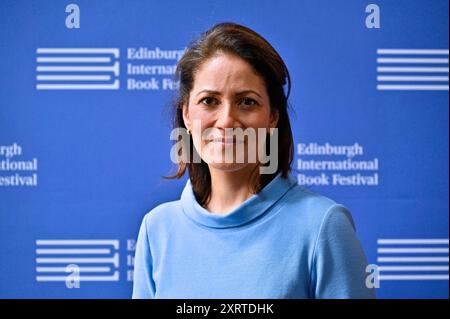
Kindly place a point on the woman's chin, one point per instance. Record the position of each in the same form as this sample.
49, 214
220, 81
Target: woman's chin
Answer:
227, 167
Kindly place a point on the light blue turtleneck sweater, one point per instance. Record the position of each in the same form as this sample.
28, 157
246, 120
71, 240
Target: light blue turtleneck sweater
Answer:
284, 242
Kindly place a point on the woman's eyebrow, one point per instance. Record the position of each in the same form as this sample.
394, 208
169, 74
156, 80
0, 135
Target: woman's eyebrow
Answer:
237, 93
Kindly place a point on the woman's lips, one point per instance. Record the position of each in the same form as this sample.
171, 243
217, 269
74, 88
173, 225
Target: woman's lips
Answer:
227, 141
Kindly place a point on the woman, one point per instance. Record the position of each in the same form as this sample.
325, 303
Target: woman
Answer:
243, 229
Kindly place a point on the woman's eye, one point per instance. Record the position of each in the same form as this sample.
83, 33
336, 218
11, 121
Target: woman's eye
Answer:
248, 101
207, 100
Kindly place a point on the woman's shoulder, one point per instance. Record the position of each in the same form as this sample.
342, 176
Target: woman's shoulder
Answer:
312, 209
163, 213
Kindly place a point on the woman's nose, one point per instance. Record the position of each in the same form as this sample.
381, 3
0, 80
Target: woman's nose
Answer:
227, 116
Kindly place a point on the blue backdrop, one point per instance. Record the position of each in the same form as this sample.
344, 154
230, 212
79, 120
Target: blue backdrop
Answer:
84, 130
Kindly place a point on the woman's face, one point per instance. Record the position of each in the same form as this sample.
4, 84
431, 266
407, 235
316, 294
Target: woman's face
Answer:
227, 94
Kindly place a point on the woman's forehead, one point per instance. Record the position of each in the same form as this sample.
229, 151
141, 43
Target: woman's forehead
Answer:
227, 64
227, 73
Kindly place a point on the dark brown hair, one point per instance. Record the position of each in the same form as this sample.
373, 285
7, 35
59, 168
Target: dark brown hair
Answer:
254, 49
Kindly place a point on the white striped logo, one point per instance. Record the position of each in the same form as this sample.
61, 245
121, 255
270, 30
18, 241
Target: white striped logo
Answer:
77, 69
413, 259
97, 260
412, 69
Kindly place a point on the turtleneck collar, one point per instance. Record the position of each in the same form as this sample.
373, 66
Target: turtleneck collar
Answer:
250, 209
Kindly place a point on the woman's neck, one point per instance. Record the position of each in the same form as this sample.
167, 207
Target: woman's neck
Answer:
228, 190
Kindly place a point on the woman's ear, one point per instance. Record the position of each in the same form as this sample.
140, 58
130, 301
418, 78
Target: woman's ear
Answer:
274, 116
185, 112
